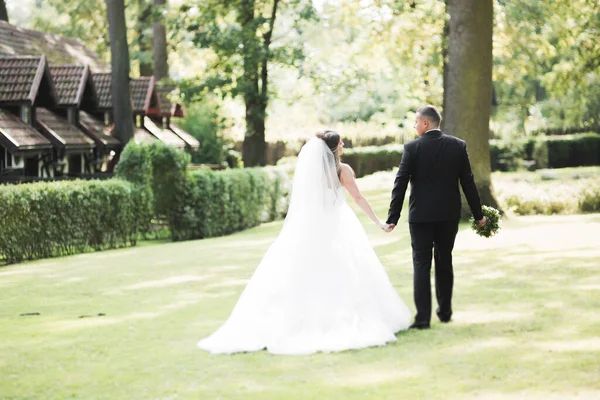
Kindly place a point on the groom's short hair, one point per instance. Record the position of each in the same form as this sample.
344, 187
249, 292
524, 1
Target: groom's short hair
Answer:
431, 113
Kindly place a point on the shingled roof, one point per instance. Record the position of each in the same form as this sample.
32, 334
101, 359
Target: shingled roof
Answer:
166, 136
17, 136
142, 136
102, 86
59, 50
62, 134
189, 140
142, 90
21, 78
163, 106
95, 129
71, 83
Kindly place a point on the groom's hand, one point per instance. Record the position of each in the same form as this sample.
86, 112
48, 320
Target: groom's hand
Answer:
390, 228
481, 223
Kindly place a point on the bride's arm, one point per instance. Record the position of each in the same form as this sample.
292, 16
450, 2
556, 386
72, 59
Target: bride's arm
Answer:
348, 180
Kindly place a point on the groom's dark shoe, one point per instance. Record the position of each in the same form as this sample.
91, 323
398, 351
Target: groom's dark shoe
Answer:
444, 317
419, 325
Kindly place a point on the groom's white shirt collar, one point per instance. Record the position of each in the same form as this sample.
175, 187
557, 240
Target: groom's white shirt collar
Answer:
434, 129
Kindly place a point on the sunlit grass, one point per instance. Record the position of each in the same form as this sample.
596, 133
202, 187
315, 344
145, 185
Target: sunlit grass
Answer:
526, 322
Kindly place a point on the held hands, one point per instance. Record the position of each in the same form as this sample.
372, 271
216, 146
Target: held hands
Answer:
386, 227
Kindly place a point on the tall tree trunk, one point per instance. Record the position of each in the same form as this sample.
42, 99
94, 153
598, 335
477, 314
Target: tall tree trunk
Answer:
445, 35
3, 11
119, 60
253, 152
144, 40
469, 85
159, 40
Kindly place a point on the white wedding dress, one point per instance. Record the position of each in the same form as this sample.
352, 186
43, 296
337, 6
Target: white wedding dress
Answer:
320, 286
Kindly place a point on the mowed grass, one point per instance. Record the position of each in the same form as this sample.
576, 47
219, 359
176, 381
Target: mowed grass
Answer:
526, 322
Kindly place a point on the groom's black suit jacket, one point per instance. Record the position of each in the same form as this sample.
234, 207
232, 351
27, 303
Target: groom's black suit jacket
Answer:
434, 164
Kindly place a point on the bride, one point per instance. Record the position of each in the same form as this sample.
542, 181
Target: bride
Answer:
320, 286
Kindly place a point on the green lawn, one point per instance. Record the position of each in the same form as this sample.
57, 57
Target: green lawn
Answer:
526, 322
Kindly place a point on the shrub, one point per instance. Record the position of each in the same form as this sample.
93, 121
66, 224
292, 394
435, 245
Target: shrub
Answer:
589, 199
135, 166
367, 160
203, 203
219, 203
169, 167
525, 198
567, 151
203, 121
60, 218
508, 155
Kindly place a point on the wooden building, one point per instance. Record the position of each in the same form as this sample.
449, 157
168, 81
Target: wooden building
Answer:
77, 100
25, 85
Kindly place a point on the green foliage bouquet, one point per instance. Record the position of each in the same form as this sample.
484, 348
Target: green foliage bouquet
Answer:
492, 225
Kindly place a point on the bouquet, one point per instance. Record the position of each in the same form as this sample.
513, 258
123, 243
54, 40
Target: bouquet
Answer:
492, 225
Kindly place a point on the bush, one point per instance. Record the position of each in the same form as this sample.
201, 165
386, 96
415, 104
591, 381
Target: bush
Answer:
203, 122
508, 155
135, 166
589, 199
204, 203
219, 203
60, 218
523, 198
545, 152
169, 167
367, 160
567, 151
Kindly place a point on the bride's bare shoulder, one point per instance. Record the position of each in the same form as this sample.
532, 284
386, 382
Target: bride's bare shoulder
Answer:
347, 170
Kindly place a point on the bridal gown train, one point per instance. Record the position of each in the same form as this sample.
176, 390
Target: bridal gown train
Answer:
320, 285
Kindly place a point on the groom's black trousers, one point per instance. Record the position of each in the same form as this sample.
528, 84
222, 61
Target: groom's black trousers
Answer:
439, 237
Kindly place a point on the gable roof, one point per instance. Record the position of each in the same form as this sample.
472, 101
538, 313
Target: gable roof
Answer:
17, 136
189, 140
21, 78
142, 90
102, 85
166, 136
95, 129
16, 41
61, 133
71, 83
163, 106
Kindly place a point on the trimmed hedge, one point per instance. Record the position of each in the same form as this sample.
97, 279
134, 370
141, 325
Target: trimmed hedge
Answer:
567, 151
50, 219
368, 160
202, 203
220, 203
546, 152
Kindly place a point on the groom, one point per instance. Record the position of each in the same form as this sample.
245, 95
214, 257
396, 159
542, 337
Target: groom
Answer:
434, 163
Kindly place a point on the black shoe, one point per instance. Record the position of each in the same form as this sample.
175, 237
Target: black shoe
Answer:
419, 325
444, 318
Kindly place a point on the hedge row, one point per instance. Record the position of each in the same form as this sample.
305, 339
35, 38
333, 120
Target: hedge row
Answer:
368, 160
203, 203
546, 152
58, 218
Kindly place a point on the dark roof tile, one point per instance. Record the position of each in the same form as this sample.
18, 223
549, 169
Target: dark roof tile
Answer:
18, 77
18, 136
69, 81
102, 85
62, 132
141, 91
97, 130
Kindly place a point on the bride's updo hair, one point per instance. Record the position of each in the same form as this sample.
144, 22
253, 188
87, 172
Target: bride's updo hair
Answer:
332, 140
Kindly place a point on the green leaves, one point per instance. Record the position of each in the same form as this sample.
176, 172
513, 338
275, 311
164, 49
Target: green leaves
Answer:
59, 218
